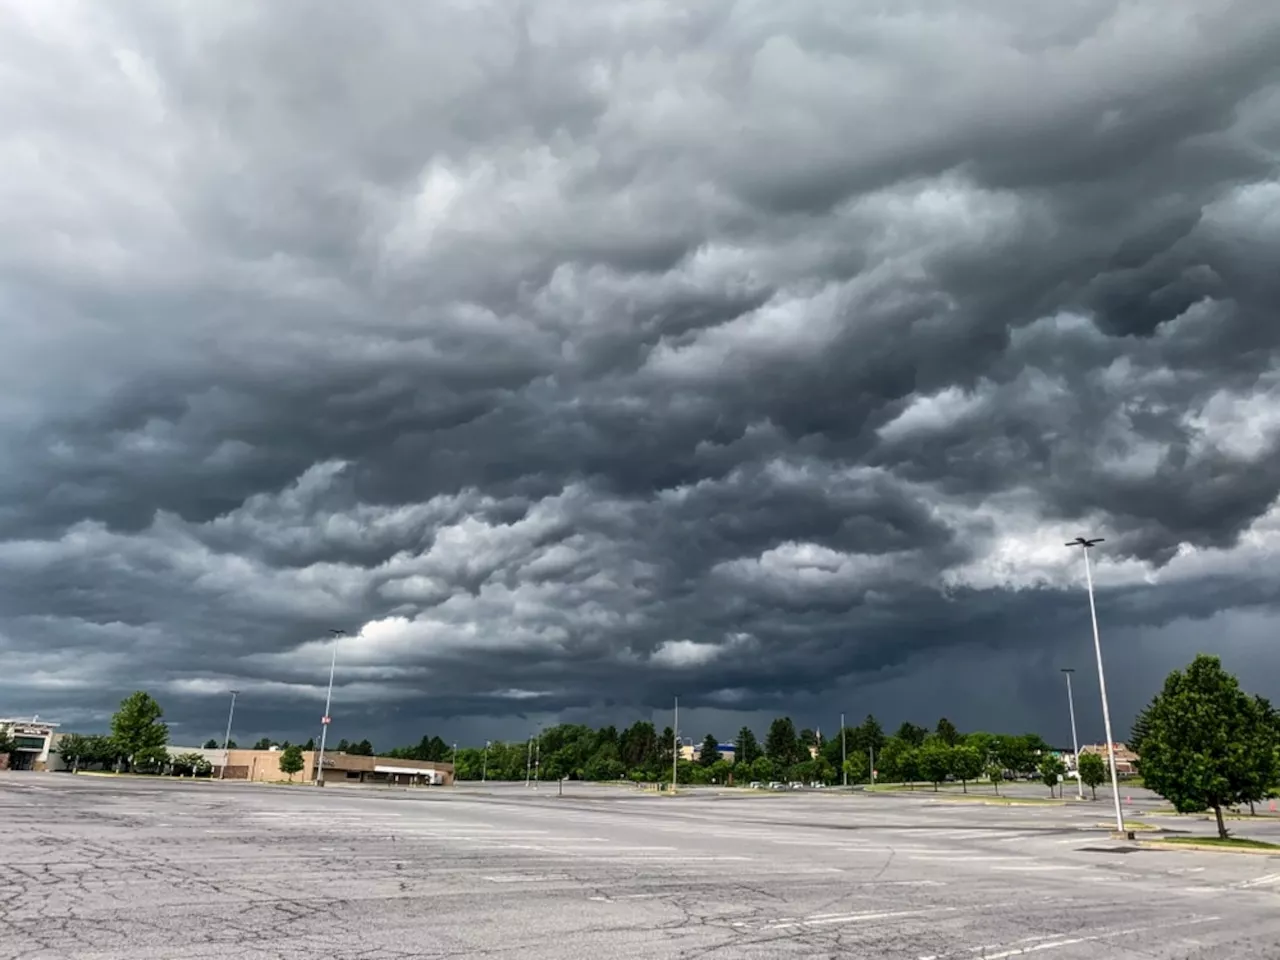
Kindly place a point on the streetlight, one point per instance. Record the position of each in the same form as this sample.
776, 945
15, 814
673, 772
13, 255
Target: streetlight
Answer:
675, 746
484, 769
1075, 742
455, 763
226, 741
528, 760
1084, 545
844, 757
328, 701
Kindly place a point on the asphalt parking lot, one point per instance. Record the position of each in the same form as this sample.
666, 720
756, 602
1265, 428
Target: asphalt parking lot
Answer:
108, 868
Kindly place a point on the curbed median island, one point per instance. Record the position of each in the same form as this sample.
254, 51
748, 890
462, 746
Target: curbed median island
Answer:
1218, 844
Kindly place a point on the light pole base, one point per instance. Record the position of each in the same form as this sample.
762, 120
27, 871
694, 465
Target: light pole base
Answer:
1123, 835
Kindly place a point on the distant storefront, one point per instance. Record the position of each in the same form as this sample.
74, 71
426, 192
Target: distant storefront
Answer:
34, 741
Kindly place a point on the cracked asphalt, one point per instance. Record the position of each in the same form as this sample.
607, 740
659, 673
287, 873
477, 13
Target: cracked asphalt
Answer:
108, 868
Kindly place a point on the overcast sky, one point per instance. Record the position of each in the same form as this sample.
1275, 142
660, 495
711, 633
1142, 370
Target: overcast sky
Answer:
572, 356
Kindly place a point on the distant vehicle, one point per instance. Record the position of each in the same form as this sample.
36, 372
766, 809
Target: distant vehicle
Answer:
776, 785
756, 784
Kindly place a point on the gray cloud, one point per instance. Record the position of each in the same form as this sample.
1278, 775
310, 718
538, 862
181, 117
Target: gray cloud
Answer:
573, 357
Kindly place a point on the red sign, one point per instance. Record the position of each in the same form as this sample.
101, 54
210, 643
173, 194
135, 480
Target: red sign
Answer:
324, 720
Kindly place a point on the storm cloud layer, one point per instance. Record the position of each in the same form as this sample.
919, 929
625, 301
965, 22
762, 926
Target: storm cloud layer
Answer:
571, 356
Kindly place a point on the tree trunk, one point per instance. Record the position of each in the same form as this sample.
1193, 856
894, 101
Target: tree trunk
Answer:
965, 785
935, 786
1095, 794
1252, 812
1222, 827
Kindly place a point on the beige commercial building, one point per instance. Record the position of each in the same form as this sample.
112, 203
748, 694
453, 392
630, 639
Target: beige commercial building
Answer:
264, 765
34, 740
1126, 759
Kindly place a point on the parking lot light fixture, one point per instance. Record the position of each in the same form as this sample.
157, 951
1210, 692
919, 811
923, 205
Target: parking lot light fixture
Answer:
1086, 545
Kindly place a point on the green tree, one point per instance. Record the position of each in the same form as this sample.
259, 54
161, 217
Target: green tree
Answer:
995, 773
343, 746
1208, 744
211, 744
709, 752
857, 766
967, 764
150, 760
870, 735
309, 746
190, 765
935, 761
911, 735
1051, 770
1140, 728
7, 744
291, 761
364, 749
721, 771
781, 745
763, 769
745, 748
264, 743
137, 731
74, 750
947, 732
1093, 771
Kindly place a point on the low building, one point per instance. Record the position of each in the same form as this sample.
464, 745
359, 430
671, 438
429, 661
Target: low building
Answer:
1126, 759
34, 742
691, 753
264, 766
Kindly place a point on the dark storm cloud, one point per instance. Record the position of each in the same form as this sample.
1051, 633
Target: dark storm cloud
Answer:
571, 356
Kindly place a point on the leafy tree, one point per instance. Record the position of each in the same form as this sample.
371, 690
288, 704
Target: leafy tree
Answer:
857, 766
1141, 727
190, 764
911, 735
74, 749
995, 773
211, 744
1208, 744
763, 769
666, 747
808, 738
291, 761
7, 744
709, 752
343, 746
264, 743
1093, 771
1016, 754
935, 761
150, 759
745, 748
967, 764
870, 735
310, 745
1051, 770
947, 732
781, 745
364, 749
137, 731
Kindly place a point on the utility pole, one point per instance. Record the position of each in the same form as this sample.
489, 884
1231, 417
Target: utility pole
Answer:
1075, 741
226, 741
528, 760
328, 701
1085, 545
455, 764
675, 746
844, 759
484, 769
871, 753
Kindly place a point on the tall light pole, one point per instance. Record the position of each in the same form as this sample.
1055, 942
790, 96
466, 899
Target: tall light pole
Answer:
1084, 545
844, 757
484, 769
226, 741
1075, 741
675, 746
528, 760
537, 758
455, 763
328, 702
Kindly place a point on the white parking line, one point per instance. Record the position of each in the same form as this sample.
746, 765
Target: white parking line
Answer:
1260, 881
